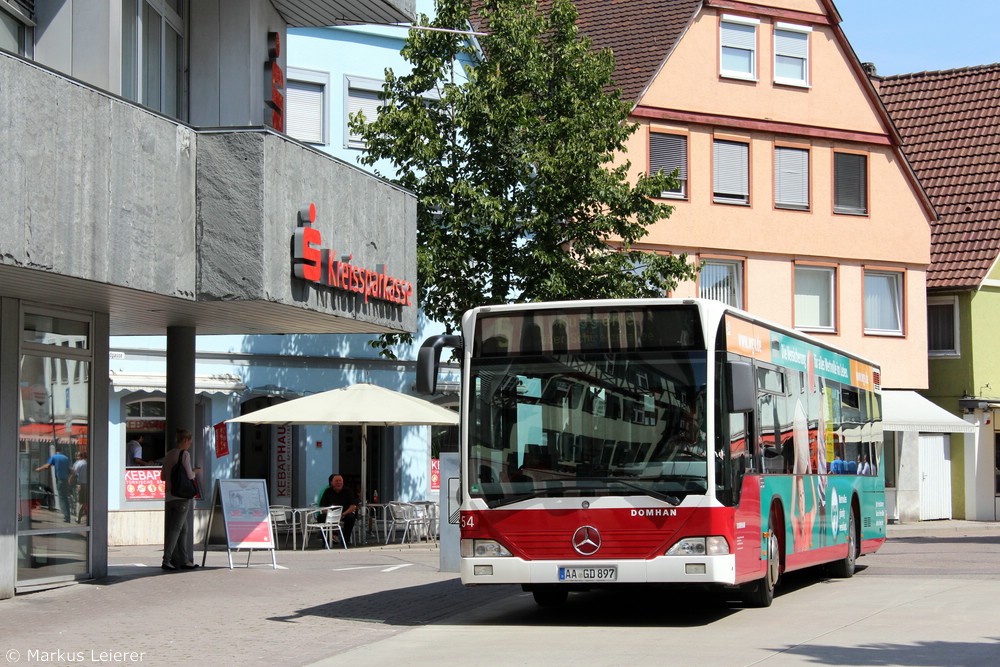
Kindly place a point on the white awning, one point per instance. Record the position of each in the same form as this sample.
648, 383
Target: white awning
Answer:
909, 411
203, 384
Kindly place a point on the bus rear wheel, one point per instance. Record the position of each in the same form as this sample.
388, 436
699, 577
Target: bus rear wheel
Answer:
844, 568
550, 596
760, 593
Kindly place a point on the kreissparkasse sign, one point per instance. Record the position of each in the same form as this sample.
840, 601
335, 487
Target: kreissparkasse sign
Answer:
327, 268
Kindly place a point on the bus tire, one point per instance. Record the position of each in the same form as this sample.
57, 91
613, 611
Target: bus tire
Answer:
550, 596
760, 593
844, 568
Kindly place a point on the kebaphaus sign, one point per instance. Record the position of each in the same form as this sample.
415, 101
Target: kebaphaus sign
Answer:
322, 266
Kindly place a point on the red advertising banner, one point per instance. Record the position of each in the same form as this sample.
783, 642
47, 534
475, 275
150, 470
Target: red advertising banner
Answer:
435, 474
143, 484
221, 440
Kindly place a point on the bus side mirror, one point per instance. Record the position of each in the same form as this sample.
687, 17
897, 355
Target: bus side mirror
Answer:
454, 499
742, 392
429, 358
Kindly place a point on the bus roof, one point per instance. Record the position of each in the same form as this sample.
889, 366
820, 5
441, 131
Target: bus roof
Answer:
712, 313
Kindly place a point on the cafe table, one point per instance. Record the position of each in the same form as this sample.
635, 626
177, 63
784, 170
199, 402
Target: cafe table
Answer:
375, 514
300, 517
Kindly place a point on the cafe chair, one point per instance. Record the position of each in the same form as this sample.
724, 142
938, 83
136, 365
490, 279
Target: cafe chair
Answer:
402, 516
327, 523
433, 521
423, 519
281, 522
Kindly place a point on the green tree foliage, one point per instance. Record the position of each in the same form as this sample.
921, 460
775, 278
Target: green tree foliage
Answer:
512, 164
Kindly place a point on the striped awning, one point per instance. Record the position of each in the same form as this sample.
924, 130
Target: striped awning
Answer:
203, 384
909, 411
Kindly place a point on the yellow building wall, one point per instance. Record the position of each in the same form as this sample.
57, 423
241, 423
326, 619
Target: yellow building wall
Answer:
895, 234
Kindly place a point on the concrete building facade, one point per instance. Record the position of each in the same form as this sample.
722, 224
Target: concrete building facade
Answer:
149, 189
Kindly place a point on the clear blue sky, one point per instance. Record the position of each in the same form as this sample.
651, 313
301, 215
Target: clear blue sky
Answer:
902, 36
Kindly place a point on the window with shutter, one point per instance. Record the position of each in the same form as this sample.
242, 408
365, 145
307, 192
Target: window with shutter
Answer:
815, 298
791, 54
738, 46
306, 108
11, 33
850, 183
791, 178
721, 280
364, 95
731, 172
667, 153
883, 302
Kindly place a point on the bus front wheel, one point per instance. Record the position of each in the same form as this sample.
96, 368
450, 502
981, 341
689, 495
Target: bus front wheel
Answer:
760, 593
550, 596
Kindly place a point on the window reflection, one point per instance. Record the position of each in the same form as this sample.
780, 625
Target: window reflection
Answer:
53, 465
50, 330
50, 555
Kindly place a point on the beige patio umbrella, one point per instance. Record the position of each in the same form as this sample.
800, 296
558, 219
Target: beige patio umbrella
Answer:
357, 405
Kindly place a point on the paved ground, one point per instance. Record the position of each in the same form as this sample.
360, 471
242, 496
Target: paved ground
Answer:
318, 604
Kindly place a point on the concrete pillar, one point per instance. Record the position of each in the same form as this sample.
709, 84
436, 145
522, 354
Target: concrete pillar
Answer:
9, 420
908, 478
980, 466
180, 398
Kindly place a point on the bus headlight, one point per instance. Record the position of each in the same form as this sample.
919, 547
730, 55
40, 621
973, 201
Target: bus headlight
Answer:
483, 549
715, 545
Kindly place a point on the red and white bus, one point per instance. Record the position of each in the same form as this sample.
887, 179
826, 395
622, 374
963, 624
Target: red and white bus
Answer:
659, 441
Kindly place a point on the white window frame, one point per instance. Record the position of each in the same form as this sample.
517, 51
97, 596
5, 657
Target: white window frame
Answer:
312, 78
738, 41
730, 180
838, 185
366, 85
791, 177
870, 304
792, 50
15, 18
802, 307
955, 350
134, 52
735, 267
668, 162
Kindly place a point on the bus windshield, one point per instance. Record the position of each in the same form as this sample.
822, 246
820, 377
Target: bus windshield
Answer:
588, 424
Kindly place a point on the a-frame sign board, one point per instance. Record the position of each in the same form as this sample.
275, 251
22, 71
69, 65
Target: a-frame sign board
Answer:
240, 519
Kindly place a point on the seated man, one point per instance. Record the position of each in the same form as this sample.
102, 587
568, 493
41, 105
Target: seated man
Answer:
338, 494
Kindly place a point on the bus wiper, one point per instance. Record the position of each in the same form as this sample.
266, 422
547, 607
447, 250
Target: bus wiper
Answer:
559, 490
667, 498
510, 500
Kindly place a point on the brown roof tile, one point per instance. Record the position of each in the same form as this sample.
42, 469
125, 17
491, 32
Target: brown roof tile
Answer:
639, 33
950, 124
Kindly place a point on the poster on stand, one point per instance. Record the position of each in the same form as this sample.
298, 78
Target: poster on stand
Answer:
240, 518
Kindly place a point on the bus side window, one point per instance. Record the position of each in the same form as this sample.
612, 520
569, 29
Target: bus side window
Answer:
740, 440
732, 457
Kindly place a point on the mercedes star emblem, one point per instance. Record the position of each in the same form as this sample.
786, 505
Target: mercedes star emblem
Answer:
586, 540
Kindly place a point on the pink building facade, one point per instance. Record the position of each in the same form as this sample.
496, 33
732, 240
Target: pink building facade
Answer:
795, 197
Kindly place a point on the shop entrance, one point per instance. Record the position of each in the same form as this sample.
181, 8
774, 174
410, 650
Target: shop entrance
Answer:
53, 461
350, 459
267, 451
